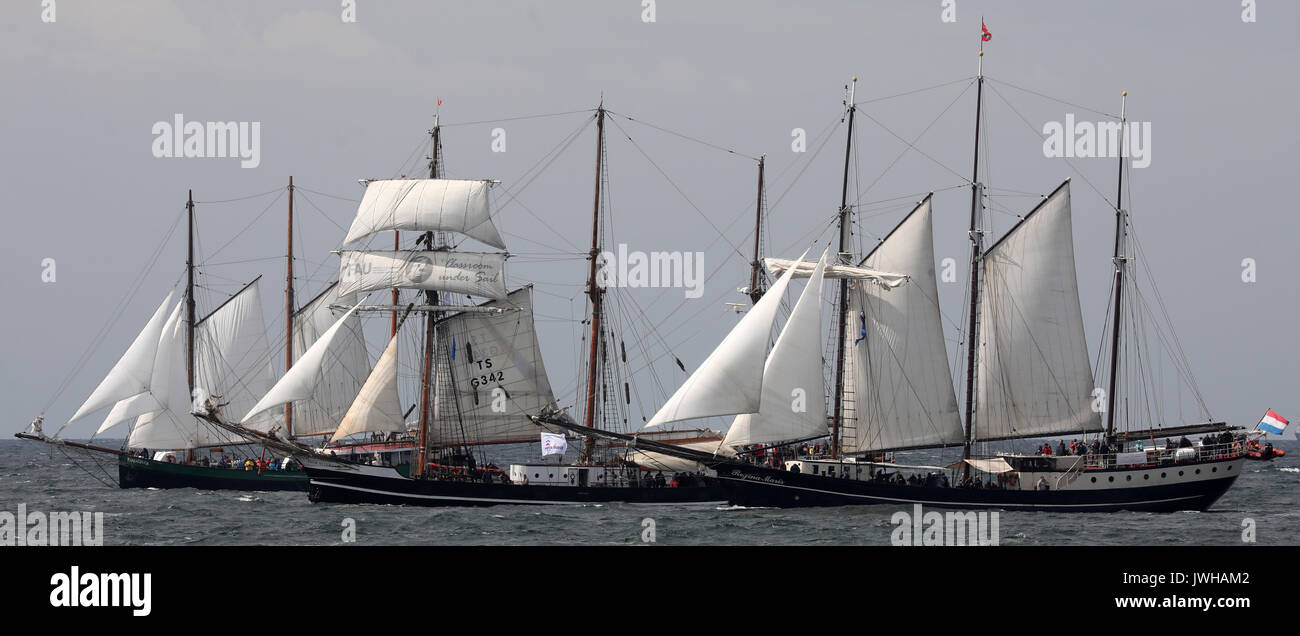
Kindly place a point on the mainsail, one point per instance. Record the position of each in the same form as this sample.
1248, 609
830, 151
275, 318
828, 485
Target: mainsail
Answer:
793, 402
490, 376
477, 274
455, 205
346, 367
232, 361
902, 392
1033, 373
730, 380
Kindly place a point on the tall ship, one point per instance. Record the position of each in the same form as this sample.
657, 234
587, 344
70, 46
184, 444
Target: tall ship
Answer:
889, 388
482, 381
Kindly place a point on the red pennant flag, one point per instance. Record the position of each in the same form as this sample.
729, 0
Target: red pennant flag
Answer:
987, 36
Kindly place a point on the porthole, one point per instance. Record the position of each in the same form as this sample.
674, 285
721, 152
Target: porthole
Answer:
1111, 478
1128, 478
1146, 475
1094, 480
1229, 466
537, 475
1180, 473
1162, 475
1214, 469
1198, 471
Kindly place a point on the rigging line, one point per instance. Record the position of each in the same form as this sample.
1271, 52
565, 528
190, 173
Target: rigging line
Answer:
247, 260
685, 136
519, 118
839, 121
912, 144
410, 158
549, 158
250, 223
1040, 135
324, 194
678, 189
913, 92
1055, 99
251, 196
99, 337
322, 212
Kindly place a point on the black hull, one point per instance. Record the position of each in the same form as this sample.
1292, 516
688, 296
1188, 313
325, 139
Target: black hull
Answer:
138, 472
754, 486
344, 486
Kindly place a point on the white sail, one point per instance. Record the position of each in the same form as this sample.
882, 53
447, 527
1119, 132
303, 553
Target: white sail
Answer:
133, 371
1033, 373
455, 205
377, 407
730, 380
232, 360
490, 377
804, 269
347, 368
901, 383
170, 425
477, 274
793, 402
302, 380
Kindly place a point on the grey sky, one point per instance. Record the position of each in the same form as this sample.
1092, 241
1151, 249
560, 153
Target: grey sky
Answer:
340, 101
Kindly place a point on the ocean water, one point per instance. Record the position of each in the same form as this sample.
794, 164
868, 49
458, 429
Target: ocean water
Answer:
1266, 496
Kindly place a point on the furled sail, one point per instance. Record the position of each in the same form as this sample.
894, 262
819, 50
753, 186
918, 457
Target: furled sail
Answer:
346, 368
133, 371
454, 205
730, 380
377, 407
793, 401
232, 359
1033, 373
477, 274
804, 269
490, 375
903, 393
304, 379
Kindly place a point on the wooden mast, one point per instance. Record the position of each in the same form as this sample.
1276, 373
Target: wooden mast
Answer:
1120, 261
846, 237
976, 252
430, 318
594, 292
189, 296
288, 312
755, 293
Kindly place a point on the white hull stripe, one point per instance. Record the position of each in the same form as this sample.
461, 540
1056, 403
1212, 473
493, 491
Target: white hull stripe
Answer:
959, 503
389, 493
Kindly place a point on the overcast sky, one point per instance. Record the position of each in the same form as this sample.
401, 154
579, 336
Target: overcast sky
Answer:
338, 101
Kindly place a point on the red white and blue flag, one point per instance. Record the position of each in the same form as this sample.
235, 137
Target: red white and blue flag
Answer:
1273, 423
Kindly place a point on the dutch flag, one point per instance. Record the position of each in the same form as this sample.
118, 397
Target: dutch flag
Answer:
1273, 423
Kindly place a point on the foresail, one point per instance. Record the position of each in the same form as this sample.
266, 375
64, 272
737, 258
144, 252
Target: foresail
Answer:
902, 387
377, 407
730, 380
348, 367
1033, 372
303, 380
133, 371
232, 358
171, 425
490, 376
793, 402
453, 205
473, 273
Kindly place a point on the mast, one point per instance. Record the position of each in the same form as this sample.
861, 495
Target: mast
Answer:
594, 292
430, 318
756, 267
189, 296
1120, 262
288, 312
976, 251
846, 236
